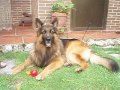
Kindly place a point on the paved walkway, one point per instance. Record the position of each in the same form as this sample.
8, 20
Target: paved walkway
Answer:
27, 35
18, 35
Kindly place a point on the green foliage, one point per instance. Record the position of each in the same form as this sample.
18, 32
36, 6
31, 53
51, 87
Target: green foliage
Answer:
62, 7
62, 30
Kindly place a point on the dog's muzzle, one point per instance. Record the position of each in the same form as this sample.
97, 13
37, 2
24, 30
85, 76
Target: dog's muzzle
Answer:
48, 42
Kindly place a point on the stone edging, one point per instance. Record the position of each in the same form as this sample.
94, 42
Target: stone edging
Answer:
104, 42
16, 47
28, 47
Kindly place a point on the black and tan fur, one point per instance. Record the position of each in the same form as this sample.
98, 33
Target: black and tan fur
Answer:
52, 53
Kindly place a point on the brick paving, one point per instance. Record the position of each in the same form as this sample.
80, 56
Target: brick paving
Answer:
28, 35
18, 35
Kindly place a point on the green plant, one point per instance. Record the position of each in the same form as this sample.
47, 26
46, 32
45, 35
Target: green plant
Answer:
62, 30
62, 7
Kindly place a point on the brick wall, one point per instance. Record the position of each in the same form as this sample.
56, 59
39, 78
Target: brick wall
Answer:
5, 14
44, 9
113, 17
18, 7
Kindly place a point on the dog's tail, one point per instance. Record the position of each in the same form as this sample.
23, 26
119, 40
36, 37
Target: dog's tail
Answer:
108, 63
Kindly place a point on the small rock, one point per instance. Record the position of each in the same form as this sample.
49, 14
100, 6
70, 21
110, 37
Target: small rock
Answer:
15, 47
8, 68
28, 47
2, 64
7, 48
100, 43
110, 42
90, 42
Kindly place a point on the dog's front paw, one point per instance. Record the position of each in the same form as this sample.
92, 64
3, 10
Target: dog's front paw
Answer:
79, 69
67, 64
13, 72
40, 77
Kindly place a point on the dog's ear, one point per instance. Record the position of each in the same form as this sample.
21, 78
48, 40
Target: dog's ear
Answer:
55, 22
38, 23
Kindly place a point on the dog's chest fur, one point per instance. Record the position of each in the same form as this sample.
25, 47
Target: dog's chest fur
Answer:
43, 56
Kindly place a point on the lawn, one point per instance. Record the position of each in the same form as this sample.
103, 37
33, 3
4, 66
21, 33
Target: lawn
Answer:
94, 78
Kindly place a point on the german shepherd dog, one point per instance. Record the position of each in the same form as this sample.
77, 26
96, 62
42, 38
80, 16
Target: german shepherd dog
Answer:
52, 52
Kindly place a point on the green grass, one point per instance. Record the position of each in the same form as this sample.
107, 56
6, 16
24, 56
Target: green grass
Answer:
94, 78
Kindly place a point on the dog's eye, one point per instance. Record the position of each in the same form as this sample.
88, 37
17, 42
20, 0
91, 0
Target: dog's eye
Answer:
52, 31
44, 31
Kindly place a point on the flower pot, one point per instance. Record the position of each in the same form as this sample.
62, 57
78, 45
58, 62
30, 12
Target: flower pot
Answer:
62, 19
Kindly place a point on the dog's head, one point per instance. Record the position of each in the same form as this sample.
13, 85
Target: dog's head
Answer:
46, 32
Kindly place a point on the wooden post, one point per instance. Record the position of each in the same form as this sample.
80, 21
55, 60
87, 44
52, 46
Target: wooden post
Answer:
34, 7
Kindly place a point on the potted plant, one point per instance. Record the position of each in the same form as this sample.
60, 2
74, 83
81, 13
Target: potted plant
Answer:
61, 9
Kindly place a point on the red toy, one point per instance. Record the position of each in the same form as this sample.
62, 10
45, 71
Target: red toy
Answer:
33, 73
